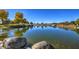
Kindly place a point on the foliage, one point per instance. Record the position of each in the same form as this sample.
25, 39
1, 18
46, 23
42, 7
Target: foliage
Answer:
18, 15
19, 18
77, 21
31, 22
3, 15
72, 22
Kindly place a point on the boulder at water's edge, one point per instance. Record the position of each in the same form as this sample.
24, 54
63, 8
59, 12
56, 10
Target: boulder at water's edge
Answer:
15, 43
42, 45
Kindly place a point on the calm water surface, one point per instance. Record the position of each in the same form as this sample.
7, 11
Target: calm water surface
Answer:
58, 37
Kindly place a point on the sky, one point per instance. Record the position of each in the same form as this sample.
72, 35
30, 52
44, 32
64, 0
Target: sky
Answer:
46, 15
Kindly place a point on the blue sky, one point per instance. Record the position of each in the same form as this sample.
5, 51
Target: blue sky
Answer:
46, 15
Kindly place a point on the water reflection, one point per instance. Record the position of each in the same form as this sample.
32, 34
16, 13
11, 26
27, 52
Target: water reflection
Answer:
19, 31
4, 33
58, 37
76, 30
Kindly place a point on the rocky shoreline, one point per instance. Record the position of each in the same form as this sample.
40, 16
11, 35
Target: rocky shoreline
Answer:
22, 43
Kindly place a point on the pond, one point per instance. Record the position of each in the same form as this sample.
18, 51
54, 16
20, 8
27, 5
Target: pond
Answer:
60, 38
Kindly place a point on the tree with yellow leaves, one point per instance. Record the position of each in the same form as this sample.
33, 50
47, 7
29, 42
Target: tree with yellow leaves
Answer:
19, 18
3, 16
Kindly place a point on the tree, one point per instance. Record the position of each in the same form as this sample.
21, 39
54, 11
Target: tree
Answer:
77, 22
18, 15
25, 21
3, 15
19, 18
31, 22
66, 23
72, 22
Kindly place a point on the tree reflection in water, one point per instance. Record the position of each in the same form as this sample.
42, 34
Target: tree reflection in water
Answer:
76, 30
4, 33
19, 31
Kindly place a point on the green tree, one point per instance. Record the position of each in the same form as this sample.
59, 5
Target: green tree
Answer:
31, 22
25, 21
77, 22
72, 22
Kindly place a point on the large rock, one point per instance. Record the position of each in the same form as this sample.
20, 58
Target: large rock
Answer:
42, 45
15, 43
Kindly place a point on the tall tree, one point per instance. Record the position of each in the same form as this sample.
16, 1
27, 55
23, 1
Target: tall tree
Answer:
19, 18
19, 15
3, 15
